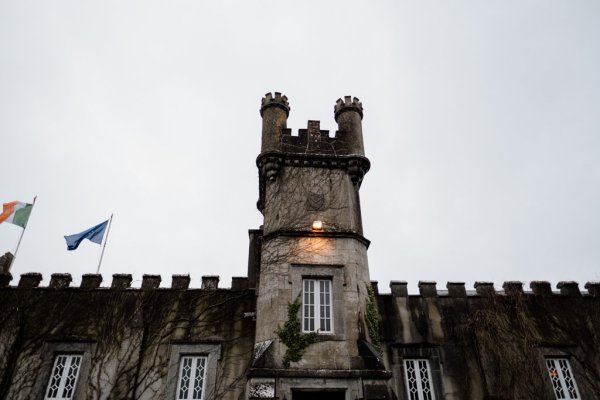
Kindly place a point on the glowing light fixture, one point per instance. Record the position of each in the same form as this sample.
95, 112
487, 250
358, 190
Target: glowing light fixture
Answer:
317, 225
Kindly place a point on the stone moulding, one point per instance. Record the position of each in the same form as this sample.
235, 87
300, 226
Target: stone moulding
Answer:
327, 234
321, 373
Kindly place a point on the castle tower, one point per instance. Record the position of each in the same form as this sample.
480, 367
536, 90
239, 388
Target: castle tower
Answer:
312, 280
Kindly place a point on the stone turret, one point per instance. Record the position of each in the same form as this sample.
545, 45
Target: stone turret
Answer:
274, 111
348, 115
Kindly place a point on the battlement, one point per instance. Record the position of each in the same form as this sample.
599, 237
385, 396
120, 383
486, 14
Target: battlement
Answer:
311, 140
427, 289
277, 100
31, 280
349, 103
348, 139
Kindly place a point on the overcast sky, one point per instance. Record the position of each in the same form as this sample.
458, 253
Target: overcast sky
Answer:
481, 121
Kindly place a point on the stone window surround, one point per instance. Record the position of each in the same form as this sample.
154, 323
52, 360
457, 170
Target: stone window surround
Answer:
49, 352
211, 350
560, 351
432, 354
299, 272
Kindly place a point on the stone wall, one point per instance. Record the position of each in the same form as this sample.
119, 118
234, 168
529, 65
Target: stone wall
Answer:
302, 195
485, 343
492, 344
128, 337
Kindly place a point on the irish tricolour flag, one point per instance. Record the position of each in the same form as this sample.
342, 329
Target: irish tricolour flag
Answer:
16, 213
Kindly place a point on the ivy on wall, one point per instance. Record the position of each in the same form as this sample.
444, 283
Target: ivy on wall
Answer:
290, 335
372, 319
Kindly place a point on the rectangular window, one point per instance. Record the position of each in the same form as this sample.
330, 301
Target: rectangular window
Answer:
562, 378
190, 384
418, 379
64, 376
316, 305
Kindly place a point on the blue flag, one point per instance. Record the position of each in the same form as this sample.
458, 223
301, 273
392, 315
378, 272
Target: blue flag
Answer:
94, 234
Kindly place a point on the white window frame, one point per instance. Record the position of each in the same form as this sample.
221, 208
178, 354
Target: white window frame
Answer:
562, 378
317, 305
195, 361
64, 377
419, 386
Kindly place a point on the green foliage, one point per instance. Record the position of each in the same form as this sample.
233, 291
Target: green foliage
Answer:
372, 319
291, 335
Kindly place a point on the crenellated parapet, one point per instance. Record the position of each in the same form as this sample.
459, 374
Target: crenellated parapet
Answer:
275, 100
349, 103
484, 289
276, 136
427, 289
32, 280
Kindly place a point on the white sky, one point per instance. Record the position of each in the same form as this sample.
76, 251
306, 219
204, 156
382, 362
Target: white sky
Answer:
481, 123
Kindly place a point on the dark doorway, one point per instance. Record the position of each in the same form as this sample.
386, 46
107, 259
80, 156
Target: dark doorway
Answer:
307, 395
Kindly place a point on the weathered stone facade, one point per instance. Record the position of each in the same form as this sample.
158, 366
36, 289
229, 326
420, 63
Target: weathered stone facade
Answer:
307, 321
489, 344
128, 337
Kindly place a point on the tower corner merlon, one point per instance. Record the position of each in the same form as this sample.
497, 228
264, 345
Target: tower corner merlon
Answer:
275, 100
348, 114
349, 103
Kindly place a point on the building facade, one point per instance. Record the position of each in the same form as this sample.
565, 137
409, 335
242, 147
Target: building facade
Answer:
307, 321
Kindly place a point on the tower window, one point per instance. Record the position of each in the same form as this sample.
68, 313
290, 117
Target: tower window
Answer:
316, 306
418, 379
562, 378
64, 376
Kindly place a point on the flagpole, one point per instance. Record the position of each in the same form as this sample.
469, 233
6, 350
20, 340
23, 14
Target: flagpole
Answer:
104, 246
22, 233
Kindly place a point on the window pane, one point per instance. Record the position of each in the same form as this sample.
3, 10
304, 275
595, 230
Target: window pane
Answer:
184, 377
57, 372
411, 379
325, 308
199, 378
425, 383
568, 378
71, 377
309, 305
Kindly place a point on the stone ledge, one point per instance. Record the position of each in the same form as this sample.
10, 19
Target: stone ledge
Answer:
320, 373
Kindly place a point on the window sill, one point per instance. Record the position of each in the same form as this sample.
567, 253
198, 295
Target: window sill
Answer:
327, 337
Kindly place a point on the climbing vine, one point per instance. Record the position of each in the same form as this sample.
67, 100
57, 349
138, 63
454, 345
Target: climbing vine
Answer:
372, 319
291, 335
